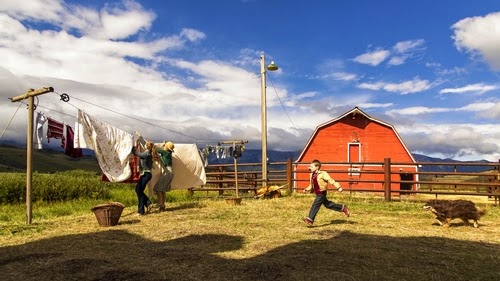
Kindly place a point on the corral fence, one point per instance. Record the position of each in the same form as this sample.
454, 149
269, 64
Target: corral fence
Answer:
383, 178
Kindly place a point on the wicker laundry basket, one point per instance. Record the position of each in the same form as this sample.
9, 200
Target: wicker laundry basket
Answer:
108, 214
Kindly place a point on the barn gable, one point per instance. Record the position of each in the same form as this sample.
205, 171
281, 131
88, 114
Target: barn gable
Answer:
355, 137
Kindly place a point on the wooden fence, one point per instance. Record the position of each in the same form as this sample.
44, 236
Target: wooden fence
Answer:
222, 178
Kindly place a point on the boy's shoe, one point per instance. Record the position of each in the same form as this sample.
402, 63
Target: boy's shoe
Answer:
345, 210
308, 221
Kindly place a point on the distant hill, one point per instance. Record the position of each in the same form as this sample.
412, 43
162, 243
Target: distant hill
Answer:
13, 159
447, 168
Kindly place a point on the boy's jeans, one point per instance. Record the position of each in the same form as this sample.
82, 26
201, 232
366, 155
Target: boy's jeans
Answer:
322, 200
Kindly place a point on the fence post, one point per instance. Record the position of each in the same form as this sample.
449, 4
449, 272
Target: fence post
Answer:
221, 177
387, 179
289, 175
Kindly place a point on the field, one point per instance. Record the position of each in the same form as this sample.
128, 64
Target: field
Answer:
207, 239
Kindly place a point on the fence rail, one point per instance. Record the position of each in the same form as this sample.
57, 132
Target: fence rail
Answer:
373, 177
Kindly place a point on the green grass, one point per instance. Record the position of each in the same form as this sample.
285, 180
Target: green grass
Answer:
207, 239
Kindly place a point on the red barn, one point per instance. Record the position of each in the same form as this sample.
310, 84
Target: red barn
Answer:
357, 137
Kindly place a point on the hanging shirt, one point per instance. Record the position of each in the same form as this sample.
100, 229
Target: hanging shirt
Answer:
111, 145
40, 120
69, 148
55, 129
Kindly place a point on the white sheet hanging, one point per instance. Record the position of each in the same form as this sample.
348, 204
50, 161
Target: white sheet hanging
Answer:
187, 165
111, 145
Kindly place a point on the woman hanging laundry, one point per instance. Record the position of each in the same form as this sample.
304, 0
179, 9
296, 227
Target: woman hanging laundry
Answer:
164, 182
145, 165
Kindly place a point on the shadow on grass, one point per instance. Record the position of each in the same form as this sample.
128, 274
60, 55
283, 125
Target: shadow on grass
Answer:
119, 255
333, 222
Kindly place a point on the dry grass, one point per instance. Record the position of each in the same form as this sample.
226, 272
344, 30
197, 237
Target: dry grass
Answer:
258, 240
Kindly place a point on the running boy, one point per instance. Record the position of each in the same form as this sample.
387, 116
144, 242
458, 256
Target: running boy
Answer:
318, 182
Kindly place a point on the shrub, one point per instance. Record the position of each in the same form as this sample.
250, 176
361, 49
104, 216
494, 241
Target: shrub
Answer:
60, 186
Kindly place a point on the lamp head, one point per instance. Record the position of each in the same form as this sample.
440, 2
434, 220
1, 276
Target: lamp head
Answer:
272, 66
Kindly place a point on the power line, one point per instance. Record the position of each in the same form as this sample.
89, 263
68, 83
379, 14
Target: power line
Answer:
134, 118
6, 126
283, 106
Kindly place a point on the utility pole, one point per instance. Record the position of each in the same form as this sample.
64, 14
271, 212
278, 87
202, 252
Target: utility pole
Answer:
29, 142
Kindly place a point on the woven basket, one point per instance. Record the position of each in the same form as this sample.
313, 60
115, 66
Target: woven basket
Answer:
108, 214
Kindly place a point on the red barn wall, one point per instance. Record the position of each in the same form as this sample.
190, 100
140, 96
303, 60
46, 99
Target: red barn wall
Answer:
331, 144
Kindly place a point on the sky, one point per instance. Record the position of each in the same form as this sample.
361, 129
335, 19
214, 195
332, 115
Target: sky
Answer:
189, 71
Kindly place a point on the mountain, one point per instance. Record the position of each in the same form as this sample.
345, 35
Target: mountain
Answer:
13, 159
448, 168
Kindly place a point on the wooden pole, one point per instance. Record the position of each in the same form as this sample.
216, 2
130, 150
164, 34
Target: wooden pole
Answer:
387, 179
29, 142
236, 176
29, 160
263, 113
289, 175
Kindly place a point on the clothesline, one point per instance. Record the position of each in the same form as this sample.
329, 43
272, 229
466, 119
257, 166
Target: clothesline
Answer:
67, 98
225, 149
137, 119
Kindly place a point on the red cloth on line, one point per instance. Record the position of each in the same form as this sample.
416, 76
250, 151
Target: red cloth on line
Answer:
55, 130
69, 148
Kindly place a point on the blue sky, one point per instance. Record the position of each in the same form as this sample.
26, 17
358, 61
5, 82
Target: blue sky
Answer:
189, 70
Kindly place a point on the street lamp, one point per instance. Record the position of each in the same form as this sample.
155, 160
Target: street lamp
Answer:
271, 67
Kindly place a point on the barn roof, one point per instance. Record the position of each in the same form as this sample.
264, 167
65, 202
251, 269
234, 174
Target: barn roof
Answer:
355, 110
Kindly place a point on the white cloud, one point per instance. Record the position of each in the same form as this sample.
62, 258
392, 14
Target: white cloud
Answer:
373, 58
192, 34
405, 50
48, 10
375, 105
476, 88
408, 46
407, 87
120, 23
439, 70
480, 36
417, 110
460, 141
344, 76
401, 51
397, 60
372, 86
488, 110
478, 106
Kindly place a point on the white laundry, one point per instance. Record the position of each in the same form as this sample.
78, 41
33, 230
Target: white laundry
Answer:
40, 120
187, 166
111, 145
